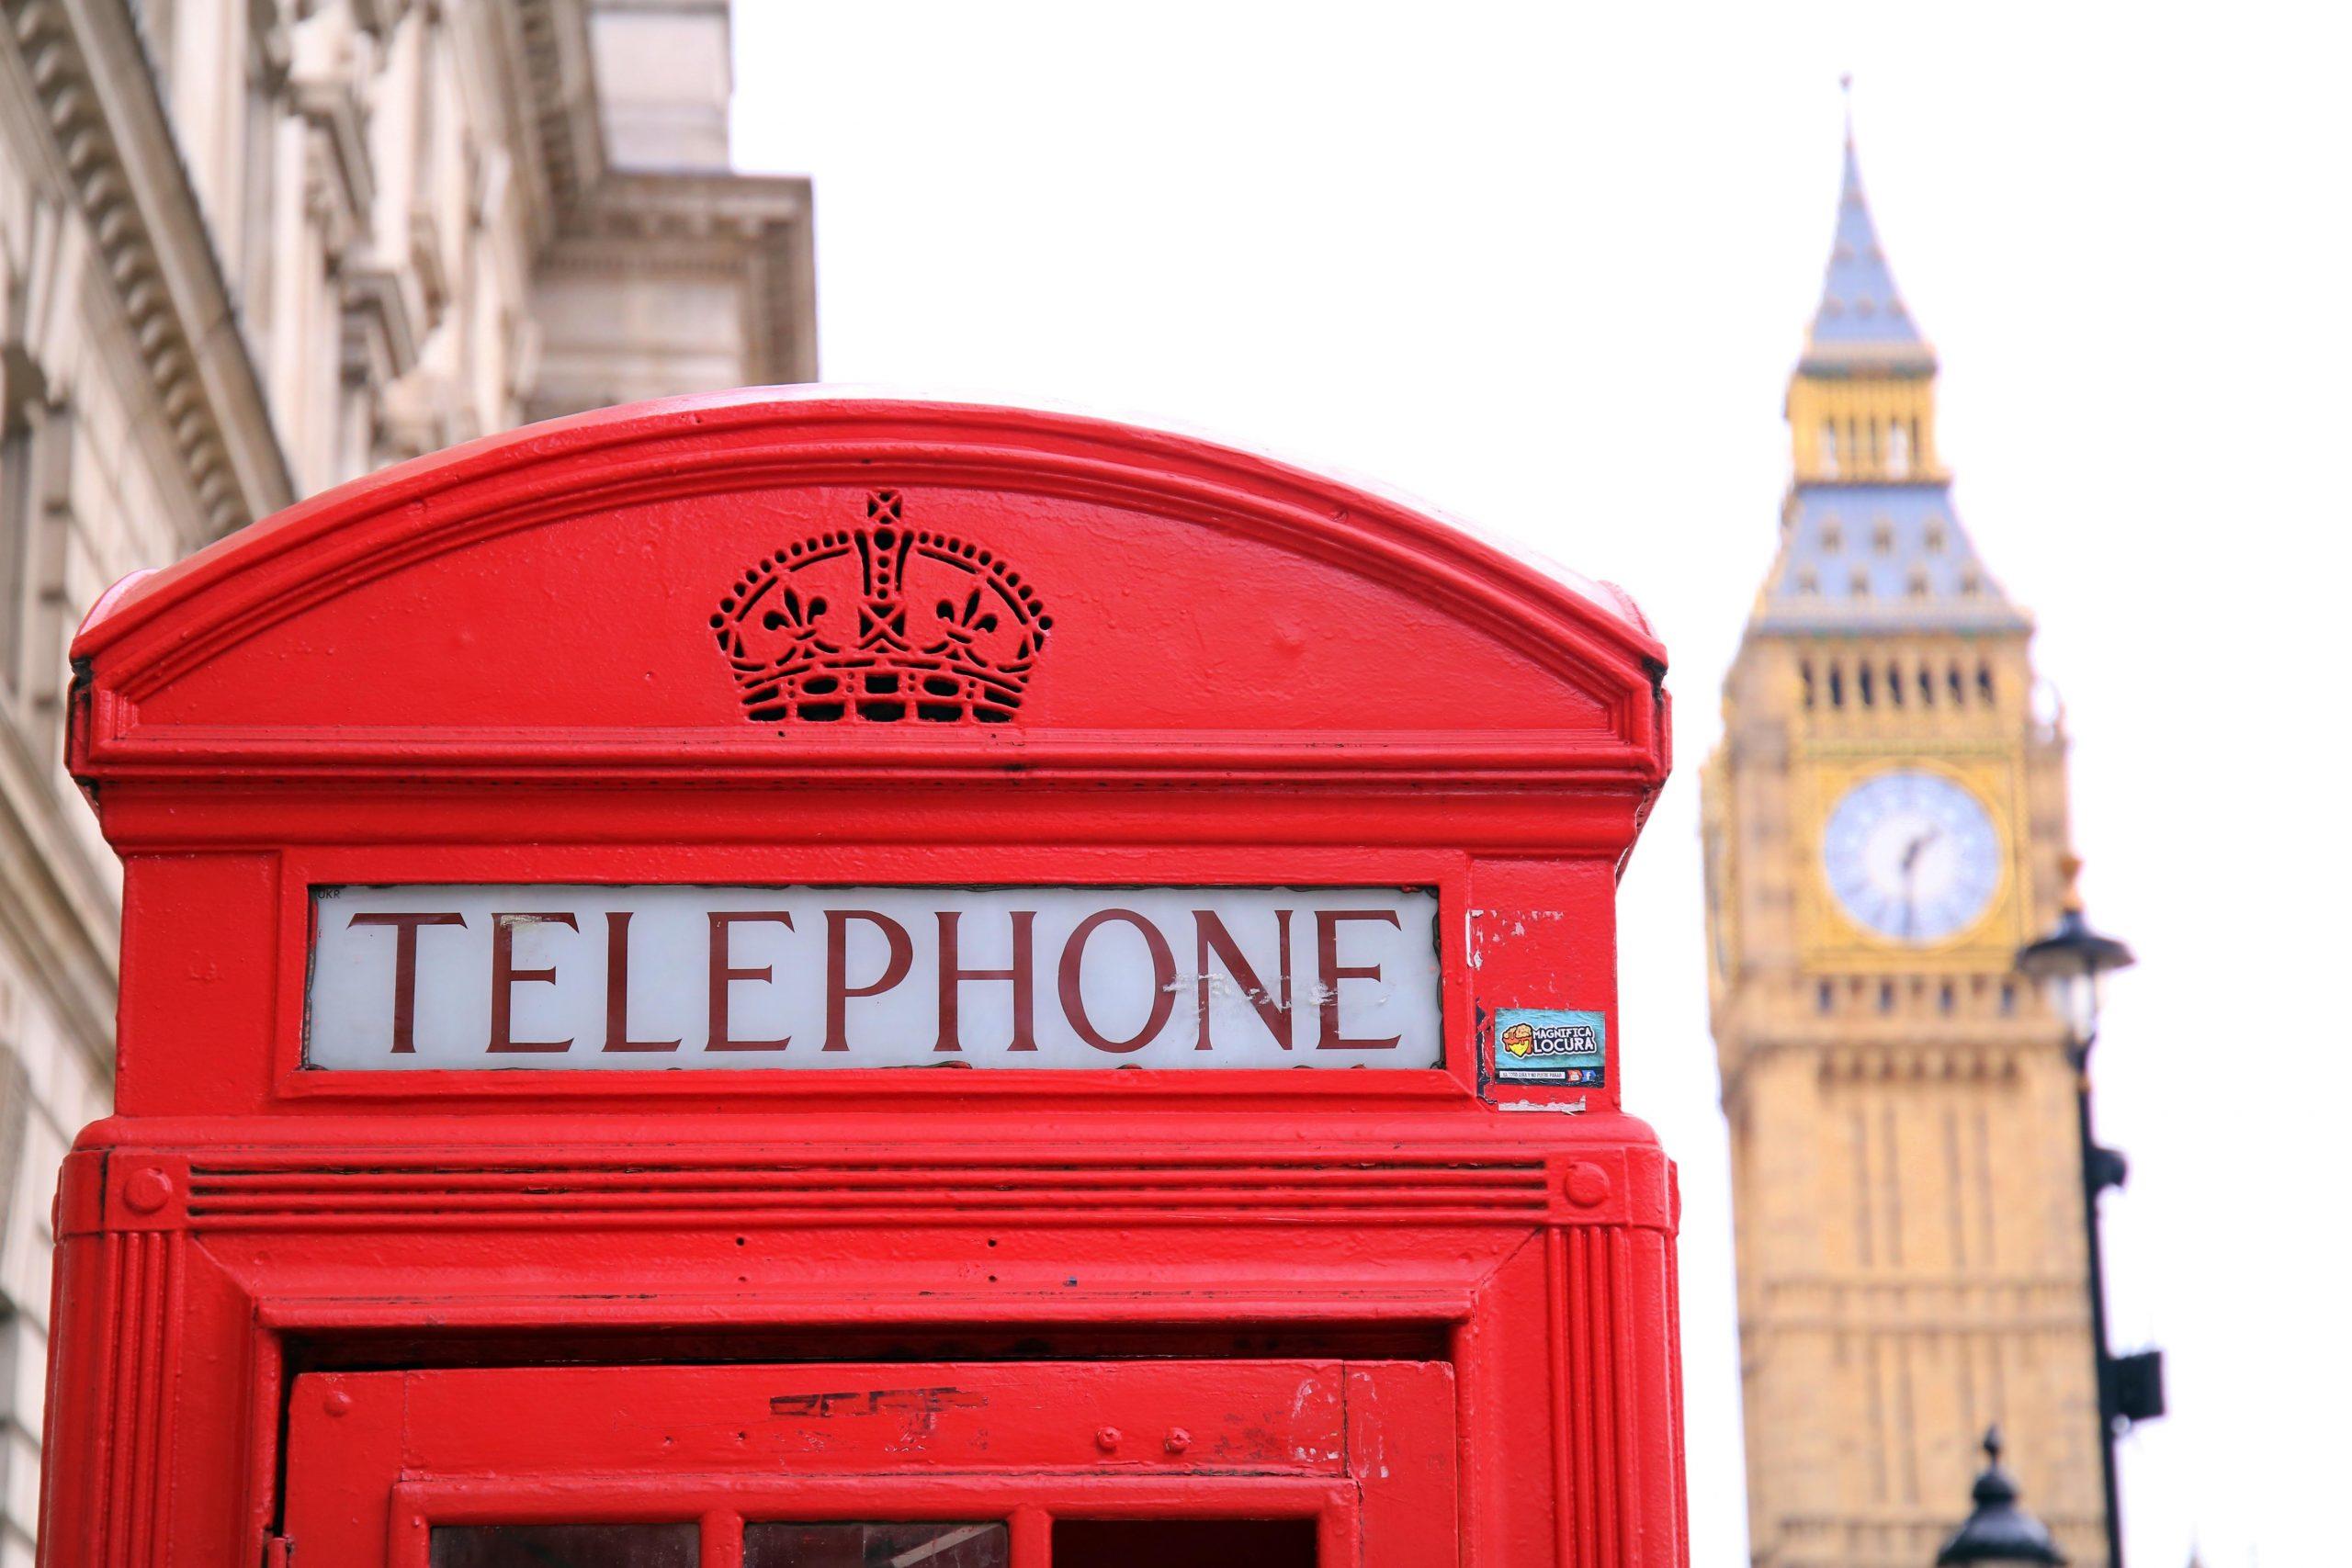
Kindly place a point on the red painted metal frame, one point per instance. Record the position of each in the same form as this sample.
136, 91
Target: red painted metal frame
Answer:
495, 663
372, 1466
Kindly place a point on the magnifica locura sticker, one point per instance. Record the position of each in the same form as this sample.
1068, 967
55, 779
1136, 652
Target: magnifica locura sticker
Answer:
1551, 1045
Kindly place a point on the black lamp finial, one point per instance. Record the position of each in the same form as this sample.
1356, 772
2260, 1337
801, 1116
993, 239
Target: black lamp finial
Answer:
1998, 1530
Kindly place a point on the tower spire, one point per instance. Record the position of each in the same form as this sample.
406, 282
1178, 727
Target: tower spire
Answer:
1869, 536
1862, 320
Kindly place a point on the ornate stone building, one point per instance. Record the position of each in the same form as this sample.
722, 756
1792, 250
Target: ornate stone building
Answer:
251, 248
1885, 822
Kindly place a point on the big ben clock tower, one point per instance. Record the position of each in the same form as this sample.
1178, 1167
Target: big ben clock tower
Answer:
1885, 823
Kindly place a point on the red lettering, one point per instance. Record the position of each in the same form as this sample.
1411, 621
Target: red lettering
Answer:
1163, 981
723, 974
504, 978
405, 970
1329, 972
1023, 974
837, 990
616, 989
1209, 933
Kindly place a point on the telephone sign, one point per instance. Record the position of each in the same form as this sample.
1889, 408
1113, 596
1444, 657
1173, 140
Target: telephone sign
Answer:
658, 977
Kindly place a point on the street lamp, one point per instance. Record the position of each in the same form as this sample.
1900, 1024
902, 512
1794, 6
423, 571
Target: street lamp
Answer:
2071, 963
1996, 1529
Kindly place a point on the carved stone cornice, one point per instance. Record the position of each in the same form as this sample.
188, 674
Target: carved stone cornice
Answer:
638, 204
758, 224
117, 147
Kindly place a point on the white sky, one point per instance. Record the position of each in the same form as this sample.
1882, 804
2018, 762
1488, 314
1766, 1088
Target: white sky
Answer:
1549, 266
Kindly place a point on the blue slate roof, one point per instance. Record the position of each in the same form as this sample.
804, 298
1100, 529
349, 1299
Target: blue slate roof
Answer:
1867, 557
1862, 320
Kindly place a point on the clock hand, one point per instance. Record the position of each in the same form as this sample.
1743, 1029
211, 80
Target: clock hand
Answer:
1911, 852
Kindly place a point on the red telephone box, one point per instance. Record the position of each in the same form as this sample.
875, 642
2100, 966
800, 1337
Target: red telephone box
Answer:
812, 981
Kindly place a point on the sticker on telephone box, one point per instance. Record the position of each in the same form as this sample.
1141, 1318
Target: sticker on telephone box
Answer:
1551, 1045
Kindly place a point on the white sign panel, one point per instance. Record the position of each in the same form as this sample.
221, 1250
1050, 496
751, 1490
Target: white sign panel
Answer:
658, 978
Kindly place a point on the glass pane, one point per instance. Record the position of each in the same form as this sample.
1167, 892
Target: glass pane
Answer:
567, 1546
1184, 1543
877, 1546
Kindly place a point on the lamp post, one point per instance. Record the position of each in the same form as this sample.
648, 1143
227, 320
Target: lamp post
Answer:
2072, 963
1998, 1530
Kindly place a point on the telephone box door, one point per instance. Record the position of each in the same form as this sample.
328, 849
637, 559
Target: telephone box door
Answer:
1271, 1463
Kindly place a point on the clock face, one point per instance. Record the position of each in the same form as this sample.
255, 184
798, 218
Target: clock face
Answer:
1913, 856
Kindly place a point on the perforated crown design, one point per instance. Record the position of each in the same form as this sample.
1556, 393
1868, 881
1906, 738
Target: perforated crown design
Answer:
878, 623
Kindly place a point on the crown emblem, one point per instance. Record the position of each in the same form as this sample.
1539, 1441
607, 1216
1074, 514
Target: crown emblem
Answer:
880, 624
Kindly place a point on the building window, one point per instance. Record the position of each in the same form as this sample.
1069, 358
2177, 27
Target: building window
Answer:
1898, 450
1829, 447
17, 509
36, 622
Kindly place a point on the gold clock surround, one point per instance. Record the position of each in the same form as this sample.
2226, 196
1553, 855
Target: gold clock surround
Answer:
1831, 938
